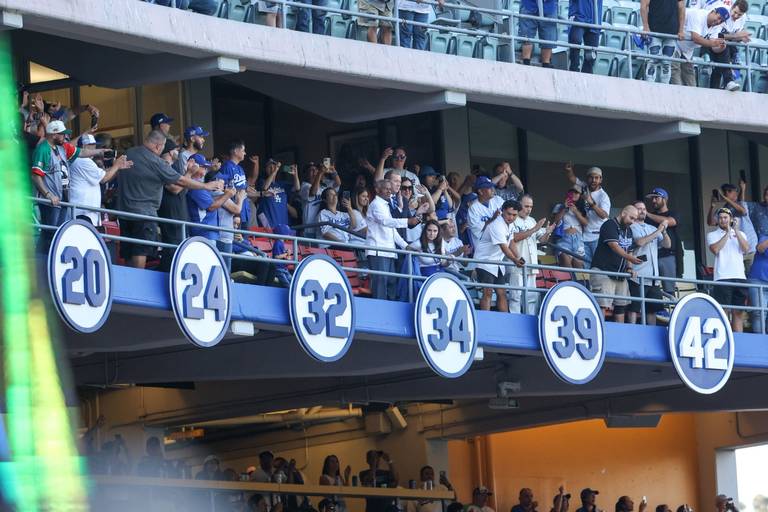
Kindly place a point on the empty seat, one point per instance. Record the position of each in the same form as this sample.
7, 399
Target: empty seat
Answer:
242, 10
487, 48
465, 45
337, 26
760, 82
756, 7
603, 63
348, 259
440, 42
615, 38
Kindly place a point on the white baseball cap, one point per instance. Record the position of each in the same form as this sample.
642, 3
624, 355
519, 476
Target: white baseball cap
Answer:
87, 139
55, 127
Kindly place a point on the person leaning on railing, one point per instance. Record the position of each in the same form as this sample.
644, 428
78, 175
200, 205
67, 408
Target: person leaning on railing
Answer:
732, 30
701, 29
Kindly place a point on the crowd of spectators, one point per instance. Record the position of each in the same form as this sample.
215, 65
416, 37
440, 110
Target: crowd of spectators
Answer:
442, 218
705, 25
379, 472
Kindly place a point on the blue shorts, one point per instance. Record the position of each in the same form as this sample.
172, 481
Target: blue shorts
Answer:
572, 243
547, 30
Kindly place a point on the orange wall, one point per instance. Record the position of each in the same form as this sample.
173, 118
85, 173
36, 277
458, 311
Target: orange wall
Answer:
660, 463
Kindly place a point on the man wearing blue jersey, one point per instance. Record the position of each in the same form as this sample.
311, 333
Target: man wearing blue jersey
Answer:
233, 176
273, 204
584, 11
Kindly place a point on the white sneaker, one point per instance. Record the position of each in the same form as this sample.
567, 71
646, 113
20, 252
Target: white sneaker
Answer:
732, 86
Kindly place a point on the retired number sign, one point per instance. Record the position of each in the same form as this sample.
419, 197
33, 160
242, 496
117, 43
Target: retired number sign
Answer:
80, 276
200, 292
321, 308
572, 333
445, 325
701, 343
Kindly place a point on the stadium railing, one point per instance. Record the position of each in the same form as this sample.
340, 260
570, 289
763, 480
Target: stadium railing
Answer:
508, 19
298, 242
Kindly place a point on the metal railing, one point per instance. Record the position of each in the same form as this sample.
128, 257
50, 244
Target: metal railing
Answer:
760, 309
508, 18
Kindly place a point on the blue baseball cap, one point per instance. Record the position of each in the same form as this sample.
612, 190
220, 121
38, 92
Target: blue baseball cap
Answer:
427, 171
723, 12
159, 118
658, 192
483, 182
200, 160
195, 130
468, 198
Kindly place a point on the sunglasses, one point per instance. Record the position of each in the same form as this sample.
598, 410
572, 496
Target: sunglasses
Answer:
407, 188
399, 157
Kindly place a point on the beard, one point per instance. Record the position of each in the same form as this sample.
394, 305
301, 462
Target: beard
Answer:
197, 145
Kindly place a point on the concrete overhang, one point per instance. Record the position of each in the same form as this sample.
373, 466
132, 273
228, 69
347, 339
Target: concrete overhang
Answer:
150, 29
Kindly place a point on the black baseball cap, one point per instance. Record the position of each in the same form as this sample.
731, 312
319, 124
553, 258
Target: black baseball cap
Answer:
586, 492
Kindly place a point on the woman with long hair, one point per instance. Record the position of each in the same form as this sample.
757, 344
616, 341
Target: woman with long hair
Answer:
360, 200
430, 242
332, 476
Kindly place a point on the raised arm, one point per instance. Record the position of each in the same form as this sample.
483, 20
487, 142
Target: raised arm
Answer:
120, 163
379, 174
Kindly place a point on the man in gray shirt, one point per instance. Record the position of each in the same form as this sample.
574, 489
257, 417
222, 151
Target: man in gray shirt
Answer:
142, 193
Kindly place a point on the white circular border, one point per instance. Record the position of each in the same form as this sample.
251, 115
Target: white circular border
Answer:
295, 321
422, 340
177, 308
673, 342
543, 343
60, 308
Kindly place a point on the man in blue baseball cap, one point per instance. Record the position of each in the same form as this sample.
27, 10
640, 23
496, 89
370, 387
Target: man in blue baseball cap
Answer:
194, 141
486, 209
670, 259
162, 123
701, 29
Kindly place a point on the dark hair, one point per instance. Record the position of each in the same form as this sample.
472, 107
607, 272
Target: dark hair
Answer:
511, 203
728, 187
662, 507
424, 468
390, 173
326, 463
232, 146
425, 243
742, 5
455, 507
355, 204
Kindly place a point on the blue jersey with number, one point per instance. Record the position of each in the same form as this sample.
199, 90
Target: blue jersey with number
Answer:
234, 176
198, 202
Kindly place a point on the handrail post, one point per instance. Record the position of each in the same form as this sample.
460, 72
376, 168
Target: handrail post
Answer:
749, 69
762, 308
396, 28
409, 266
524, 296
284, 14
629, 55
641, 284
513, 41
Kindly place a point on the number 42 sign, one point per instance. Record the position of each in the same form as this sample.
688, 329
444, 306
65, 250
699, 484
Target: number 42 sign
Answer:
701, 343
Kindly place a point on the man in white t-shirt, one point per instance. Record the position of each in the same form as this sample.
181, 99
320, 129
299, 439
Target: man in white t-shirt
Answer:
485, 210
597, 204
701, 29
480, 500
86, 177
732, 30
495, 244
729, 245
527, 235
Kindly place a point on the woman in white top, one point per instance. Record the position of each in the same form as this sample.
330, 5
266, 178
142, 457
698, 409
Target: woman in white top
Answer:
431, 243
332, 476
335, 219
573, 220
360, 202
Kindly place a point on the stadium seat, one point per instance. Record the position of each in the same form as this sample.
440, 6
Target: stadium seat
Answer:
603, 63
242, 10
755, 25
562, 10
487, 48
337, 26
465, 45
440, 42
223, 10
305, 251
620, 67
615, 38
760, 82
755, 7
348, 259
259, 229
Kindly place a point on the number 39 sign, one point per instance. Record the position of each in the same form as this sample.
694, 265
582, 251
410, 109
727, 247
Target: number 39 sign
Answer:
200, 294
701, 343
572, 333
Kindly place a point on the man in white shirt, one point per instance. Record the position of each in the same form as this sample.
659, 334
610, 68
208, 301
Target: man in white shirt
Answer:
399, 157
527, 235
731, 30
382, 233
480, 500
495, 244
485, 210
264, 472
86, 177
729, 245
701, 29
596, 202
427, 481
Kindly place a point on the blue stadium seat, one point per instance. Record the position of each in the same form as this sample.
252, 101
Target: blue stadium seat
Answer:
242, 10
440, 42
337, 26
603, 63
615, 38
620, 69
465, 45
223, 11
760, 82
755, 7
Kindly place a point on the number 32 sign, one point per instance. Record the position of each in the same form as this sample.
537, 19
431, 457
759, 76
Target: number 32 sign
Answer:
200, 293
701, 343
572, 333
321, 308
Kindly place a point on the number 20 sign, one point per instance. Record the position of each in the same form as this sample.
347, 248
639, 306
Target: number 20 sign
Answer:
701, 343
321, 308
200, 293
572, 333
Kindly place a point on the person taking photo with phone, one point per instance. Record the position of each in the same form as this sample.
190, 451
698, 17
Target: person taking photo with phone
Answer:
729, 245
646, 239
